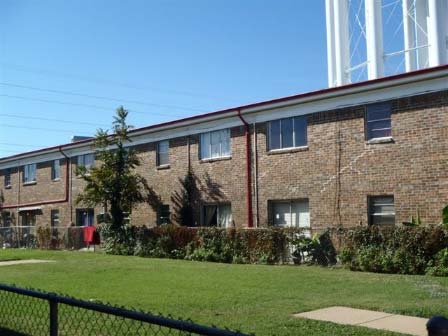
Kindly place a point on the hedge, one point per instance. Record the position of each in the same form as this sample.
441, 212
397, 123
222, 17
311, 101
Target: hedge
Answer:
401, 249
263, 246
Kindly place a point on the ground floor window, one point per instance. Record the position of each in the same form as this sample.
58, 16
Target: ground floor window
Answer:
5, 219
84, 217
55, 217
219, 215
381, 210
28, 218
163, 214
290, 213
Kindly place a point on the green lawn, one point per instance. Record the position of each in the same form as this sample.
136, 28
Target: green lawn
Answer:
251, 298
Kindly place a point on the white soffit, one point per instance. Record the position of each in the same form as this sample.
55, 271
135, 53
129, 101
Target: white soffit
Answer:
434, 81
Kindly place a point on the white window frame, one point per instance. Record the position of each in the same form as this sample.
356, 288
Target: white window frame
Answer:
290, 203
7, 182
160, 144
369, 121
293, 119
372, 214
54, 217
219, 208
160, 212
82, 159
29, 173
206, 143
56, 172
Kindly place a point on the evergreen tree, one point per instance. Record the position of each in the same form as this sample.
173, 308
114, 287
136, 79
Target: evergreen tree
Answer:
113, 182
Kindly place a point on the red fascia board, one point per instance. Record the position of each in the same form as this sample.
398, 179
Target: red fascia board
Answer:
253, 105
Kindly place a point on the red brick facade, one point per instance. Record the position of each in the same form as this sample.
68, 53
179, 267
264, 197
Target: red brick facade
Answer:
336, 172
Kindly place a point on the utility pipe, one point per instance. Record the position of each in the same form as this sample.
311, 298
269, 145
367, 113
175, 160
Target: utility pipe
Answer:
248, 172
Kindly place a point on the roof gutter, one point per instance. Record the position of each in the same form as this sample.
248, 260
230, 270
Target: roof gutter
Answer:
248, 171
63, 200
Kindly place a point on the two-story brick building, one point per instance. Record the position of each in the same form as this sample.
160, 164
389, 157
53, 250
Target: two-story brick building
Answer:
374, 152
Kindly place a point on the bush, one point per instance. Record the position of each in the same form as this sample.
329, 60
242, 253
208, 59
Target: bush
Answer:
406, 250
318, 250
439, 266
263, 246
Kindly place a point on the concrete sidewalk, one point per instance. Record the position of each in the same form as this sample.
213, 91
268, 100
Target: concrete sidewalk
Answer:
370, 319
26, 261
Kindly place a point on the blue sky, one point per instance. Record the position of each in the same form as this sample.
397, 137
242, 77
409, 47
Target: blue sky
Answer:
161, 59
66, 65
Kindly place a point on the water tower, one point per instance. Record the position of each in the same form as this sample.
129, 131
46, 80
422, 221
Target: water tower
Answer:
421, 24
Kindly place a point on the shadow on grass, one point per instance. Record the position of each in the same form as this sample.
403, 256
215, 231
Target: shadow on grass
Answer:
7, 332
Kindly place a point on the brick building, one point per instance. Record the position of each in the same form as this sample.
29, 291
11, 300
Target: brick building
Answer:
374, 152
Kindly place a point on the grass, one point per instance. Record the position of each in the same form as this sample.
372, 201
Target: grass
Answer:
251, 298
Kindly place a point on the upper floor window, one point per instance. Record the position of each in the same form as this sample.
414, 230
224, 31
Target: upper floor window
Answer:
29, 173
8, 178
56, 169
215, 144
163, 148
287, 133
378, 121
86, 160
381, 210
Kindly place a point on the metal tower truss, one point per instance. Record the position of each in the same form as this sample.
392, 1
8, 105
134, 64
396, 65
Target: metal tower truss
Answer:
368, 39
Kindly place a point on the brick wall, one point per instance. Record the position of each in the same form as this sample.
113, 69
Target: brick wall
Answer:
336, 172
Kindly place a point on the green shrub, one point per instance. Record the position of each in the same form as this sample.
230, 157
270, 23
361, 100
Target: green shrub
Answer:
404, 249
439, 266
318, 250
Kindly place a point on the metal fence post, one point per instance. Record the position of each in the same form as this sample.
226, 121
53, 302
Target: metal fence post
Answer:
53, 317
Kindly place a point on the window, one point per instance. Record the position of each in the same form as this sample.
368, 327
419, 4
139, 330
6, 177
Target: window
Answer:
56, 169
54, 218
29, 173
84, 217
219, 215
163, 214
381, 210
28, 218
163, 148
8, 178
290, 213
378, 121
86, 160
215, 144
5, 219
287, 133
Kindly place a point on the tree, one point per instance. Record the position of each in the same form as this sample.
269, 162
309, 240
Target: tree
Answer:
113, 183
185, 200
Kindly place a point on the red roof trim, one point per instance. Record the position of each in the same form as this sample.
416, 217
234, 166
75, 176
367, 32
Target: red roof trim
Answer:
262, 103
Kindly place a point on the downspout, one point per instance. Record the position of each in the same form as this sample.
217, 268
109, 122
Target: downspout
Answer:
257, 207
248, 172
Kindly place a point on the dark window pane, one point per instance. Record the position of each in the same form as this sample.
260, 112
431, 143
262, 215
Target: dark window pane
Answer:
382, 210
274, 134
378, 111
287, 127
300, 131
380, 134
163, 216
379, 125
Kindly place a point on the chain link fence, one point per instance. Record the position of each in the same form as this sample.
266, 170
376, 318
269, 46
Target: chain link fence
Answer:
46, 237
29, 312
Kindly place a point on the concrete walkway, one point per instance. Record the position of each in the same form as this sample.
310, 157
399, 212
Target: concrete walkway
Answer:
26, 261
370, 319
